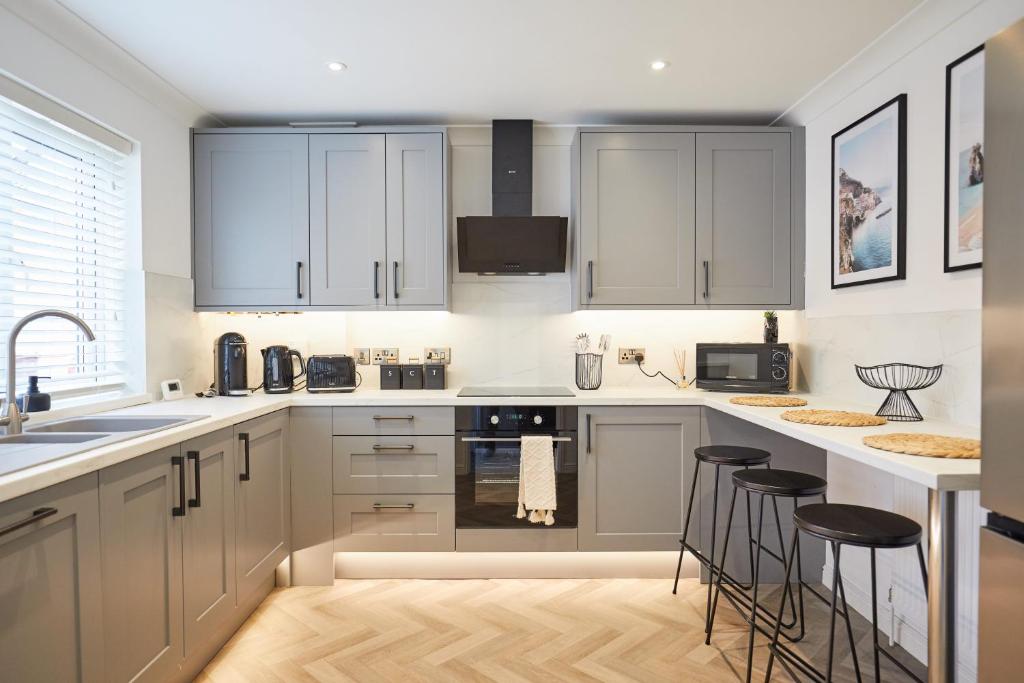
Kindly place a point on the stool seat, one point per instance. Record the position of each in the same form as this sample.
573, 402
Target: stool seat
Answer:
732, 455
857, 525
779, 482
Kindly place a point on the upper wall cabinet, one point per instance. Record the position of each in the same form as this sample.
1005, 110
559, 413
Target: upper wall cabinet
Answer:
320, 220
251, 220
688, 217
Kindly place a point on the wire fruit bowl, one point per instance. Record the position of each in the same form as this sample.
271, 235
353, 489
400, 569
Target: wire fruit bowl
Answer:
899, 378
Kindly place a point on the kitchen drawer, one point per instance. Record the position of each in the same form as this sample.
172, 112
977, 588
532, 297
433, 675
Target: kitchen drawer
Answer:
394, 464
394, 421
415, 522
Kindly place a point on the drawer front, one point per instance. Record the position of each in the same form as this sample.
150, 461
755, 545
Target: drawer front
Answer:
394, 464
390, 522
394, 421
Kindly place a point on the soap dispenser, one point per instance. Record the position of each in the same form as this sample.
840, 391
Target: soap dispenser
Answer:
33, 400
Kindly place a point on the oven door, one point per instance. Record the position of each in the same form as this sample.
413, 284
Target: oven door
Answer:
487, 481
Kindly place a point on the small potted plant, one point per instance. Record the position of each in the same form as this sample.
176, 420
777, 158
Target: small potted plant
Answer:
771, 327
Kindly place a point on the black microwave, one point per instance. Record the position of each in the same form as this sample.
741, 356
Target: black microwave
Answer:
744, 367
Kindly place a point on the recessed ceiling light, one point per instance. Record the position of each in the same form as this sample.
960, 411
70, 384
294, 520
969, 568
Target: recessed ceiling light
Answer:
336, 66
659, 64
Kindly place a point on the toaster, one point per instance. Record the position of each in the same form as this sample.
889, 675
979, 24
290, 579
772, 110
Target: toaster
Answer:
331, 373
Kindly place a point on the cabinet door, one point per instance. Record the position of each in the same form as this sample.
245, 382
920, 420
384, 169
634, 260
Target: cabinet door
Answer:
251, 219
635, 465
415, 218
743, 218
208, 536
140, 528
50, 600
636, 218
346, 220
262, 515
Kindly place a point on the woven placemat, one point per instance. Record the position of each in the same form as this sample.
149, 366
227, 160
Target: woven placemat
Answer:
931, 445
768, 401
833, 418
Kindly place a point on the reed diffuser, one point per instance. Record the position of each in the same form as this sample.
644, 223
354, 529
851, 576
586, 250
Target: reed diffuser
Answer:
680, 356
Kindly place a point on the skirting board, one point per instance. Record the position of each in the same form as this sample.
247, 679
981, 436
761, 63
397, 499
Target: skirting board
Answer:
512, 565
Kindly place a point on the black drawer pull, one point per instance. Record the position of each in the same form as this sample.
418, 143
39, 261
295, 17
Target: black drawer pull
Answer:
396, 279
37, 515
394, 417
244, 438
376, 286
298, 279
394, 506
179, 462
197, 501
406, 447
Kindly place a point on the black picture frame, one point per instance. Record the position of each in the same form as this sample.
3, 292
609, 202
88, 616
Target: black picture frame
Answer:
950, 68
900, 102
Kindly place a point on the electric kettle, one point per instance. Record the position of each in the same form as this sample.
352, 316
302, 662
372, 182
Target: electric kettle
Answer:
279, 369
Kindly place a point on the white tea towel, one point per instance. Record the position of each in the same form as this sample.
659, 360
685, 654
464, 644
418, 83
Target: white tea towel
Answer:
537, 480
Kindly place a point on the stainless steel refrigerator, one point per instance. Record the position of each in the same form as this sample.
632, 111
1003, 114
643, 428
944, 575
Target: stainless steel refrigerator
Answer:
1001, 576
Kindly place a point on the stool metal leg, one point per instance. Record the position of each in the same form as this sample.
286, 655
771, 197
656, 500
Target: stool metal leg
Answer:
711, 555
754, 581
924, 567
782, 605
686, 526
849, 628
718, 584
832, 610
874, 619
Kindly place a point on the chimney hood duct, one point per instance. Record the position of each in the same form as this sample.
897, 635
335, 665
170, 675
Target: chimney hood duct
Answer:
512, 240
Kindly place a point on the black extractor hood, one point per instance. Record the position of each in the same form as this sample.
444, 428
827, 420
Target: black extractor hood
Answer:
512, 241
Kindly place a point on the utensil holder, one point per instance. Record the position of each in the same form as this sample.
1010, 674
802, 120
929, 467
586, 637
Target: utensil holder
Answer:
588, 370
899, 378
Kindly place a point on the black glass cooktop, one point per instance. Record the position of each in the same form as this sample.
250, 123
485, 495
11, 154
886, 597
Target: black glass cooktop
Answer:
515, 391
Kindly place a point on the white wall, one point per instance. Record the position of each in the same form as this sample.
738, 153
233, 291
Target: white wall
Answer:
51, 50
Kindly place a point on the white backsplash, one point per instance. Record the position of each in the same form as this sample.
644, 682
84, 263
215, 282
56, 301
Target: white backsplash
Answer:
830, 347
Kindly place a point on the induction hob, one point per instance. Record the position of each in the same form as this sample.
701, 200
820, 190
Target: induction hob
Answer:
502, 392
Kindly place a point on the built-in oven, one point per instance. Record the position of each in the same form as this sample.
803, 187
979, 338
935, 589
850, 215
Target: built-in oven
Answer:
744, 367
487, 456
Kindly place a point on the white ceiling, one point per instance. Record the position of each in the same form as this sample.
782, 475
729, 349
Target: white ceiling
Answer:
468, 61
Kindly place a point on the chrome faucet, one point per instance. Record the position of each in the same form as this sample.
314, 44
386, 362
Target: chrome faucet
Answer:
13, 419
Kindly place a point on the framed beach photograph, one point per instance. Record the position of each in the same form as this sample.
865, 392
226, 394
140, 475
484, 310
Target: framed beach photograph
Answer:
869, 188
965, 160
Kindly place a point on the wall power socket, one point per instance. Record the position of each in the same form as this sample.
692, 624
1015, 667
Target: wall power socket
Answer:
629, 354
384, 356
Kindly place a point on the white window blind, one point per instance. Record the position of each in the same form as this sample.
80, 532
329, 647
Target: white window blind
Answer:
63, 205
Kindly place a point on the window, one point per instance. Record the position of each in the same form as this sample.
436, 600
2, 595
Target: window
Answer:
63, 206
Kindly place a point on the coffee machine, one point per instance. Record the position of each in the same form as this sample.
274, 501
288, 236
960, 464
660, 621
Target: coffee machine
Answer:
229, 367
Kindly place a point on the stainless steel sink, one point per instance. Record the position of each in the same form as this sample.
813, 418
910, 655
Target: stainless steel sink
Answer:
50, 438
111, 424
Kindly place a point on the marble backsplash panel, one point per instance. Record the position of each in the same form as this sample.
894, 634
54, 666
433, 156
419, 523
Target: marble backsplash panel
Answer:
831, 346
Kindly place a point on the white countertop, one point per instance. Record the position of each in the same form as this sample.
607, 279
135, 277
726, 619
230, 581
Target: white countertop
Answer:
937, 473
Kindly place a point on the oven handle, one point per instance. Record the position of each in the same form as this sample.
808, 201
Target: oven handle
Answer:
488, 439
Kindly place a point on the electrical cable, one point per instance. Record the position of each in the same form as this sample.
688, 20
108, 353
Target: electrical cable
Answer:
639, 359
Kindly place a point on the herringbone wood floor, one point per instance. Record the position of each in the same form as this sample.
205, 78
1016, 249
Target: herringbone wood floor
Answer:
506, 630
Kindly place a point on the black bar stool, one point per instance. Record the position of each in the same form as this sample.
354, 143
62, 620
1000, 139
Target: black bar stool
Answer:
850, 525
731, 456
775, 484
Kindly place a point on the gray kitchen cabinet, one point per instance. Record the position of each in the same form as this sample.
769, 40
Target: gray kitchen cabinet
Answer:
262, 499
347, 224
743, 218
142, 507
50, 600
394, 523
636, 223
635, 464
416, 244
251, 220
394, 464
208, 536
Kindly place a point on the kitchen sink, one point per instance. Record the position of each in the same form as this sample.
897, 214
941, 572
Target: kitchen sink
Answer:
111, 424
49, 438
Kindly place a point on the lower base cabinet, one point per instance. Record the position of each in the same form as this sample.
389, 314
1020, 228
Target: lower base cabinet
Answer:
50, 600
395, 522
635, 465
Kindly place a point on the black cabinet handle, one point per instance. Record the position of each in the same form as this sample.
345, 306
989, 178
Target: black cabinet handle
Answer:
588, 432
298, 279
197, 501
590, 279
406, 447
706, 279
394, 506
179, 462
376, 279
37, 514
396, 279
244, 438
394, 417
